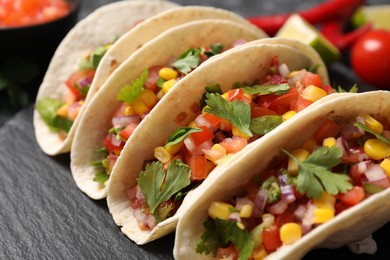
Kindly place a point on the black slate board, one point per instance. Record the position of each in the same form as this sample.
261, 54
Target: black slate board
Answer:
43, 215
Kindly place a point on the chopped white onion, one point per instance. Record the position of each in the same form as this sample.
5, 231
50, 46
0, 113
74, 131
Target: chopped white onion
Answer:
283, 70
201, 121
377, 176
288, 194
235, 216
151, 221
139, 215
123, 121
115, 141
278, 207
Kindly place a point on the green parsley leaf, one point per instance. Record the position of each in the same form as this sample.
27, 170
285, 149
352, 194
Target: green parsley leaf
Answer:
266, 90
93, 59
265, 124
130, 92
365, 128
159, 186
353, 89
215, 49
101, 177
236, 112
160, 82
47, 109
188, 60
179, 134
315, 176
209, 241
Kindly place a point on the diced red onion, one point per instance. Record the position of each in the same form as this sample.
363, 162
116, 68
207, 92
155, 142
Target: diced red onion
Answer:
242, 201
115, 141
377, 176
260, 202
151, 221
300, 212
201, 121
139, 215
307, 220
130, 193
283, 70
139, 194
288, 194
278, 207
123, 121
239, 42
83, 82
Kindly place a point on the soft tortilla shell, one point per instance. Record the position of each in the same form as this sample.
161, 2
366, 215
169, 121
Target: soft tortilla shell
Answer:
351, 225
97, 29
243, 64
170, 44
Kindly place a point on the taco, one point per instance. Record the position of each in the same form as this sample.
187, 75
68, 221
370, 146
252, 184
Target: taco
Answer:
74, 65
137, 86
319, 181
203, 124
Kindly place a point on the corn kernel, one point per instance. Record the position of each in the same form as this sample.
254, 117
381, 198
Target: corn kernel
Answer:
310, 145
240, 225
225, 95
385, 165
313, 93
192, 124
148, 97
162, 155
220, 210
246, 211
376, 149
289, 114
168, 85
259, 253
63, 110
167, 73
322, 215
203, 109
373, 124
290, 232
173, 149
329, 142
326, 201
238, 132
139, 107
129, 111
292, 166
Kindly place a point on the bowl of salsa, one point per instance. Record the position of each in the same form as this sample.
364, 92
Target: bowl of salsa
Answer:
31, 30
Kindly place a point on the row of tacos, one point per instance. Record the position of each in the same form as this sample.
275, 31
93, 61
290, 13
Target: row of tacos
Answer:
182, 110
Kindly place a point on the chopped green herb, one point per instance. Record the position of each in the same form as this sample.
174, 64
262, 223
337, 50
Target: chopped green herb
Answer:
314, 68
315, 176
365, 128
215, 49
130, 92
179, 134
236, 112
92, 60
188, 60
101, 177
47, 109
160, 82
265, 124
353, 89
272, 186
267, 90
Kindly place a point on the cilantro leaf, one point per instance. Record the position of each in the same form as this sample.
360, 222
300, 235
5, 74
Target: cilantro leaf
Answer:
365, 128
215, 49
130, 92
47, 109
315, 173
209, 241
236, 112
179, 134
264, 124
353, 89
266, 90
158, 185
101, 177
92, 60
188, 60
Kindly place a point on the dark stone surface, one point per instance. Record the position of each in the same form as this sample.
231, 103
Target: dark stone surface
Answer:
43, 215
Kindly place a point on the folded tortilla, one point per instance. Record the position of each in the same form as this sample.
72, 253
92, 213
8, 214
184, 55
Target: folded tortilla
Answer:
96, 120
97, 29
351, 225
241, 64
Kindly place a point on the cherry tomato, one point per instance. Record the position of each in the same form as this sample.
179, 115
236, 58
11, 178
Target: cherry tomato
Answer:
370, 58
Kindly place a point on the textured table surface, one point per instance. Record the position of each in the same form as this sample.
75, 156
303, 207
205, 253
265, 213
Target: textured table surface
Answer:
43, 215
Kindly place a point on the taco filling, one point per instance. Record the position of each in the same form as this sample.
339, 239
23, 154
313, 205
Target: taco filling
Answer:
345, 162
227, 122
59, 115
139, 98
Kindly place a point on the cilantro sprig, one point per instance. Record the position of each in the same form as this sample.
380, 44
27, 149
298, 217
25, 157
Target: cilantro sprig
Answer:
219, 233
128, 93
180, 134
267, 90
214, 49
265, 124
159, 185
47, 109
188, 60
236, 112
315, 175
365, 128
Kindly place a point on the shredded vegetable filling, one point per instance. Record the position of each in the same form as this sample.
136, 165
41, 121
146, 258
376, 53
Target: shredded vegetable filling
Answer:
343, 164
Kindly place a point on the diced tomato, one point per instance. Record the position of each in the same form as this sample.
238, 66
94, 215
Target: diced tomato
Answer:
199, 167
328, 129
312, 79
202, 136
111, 160
73, 82
341, 206
229, 252
300, 104
234, 144
352, 196
275, 61
266, 100
328, 89
212, 119
284, 218
120, 110
261, 111
274, 80
111, 148
128, 130
238, 94
153, 76
283, 102
271, 238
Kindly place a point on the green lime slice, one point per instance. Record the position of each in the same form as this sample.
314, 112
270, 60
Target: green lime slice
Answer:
378, 15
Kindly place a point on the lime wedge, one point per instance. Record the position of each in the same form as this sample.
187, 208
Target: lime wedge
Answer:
299, 29
378, 15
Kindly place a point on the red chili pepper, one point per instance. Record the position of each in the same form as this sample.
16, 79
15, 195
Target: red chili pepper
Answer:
333, 31
318, 14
